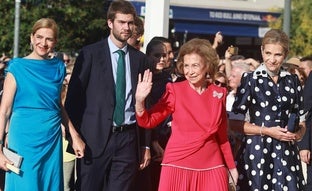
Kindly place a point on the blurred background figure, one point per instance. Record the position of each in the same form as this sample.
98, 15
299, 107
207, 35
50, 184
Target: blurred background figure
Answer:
221, 66
136, 40
171, 66
157, 49
68, 158
232, 56
237, 71
306, 64
293, 66
293, 61
293, 69
148, 178
218, 40
3, 63
66, 58
305, 145
169, 50
220, 79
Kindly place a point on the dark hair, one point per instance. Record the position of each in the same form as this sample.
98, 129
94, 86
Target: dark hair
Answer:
306, 58
161, 39
138, 22
151, 45
120, 6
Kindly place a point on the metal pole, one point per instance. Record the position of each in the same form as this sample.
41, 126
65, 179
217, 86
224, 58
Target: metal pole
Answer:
287, 15
16, 27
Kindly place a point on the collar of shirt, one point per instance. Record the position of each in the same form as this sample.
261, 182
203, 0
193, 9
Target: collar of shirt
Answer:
129, 111
262, 71
113, 48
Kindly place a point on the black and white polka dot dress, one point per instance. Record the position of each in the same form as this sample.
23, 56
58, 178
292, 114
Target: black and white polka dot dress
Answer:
265, 163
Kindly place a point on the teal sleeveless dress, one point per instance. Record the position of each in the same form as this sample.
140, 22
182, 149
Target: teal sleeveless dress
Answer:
35, 125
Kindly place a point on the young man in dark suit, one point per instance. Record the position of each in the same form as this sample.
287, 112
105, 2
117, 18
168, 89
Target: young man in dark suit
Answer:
112, 155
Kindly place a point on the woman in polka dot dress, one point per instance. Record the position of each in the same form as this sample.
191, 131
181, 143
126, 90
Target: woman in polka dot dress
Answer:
268, 158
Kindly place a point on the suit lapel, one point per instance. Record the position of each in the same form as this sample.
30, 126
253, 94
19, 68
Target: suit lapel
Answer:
134, 66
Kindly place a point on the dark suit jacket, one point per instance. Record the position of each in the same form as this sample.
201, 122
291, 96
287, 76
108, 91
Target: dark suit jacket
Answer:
306, 142
91, 94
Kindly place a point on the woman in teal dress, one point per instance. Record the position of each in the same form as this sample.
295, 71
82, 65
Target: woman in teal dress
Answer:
31, 104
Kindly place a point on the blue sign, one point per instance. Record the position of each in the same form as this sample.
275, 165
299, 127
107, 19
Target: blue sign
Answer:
209, 21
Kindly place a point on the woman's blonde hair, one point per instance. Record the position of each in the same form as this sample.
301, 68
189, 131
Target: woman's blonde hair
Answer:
45, 23
276, 36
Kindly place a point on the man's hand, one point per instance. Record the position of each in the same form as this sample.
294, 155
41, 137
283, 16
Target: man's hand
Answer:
159, 151
146, 158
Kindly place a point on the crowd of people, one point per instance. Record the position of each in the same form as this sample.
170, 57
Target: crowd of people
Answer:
115, 118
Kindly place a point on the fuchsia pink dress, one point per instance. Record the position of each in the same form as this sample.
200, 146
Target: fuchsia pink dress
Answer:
198, 150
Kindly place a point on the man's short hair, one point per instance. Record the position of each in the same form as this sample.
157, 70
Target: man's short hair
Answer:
306, 58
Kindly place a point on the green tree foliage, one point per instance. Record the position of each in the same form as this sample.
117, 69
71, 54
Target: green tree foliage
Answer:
6, 26
301, 39
80, 22
300, 28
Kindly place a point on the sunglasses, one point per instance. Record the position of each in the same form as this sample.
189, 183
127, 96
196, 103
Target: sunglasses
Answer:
216, 82
160, 55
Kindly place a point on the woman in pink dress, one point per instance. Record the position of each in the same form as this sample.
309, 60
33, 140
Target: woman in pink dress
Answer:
198, 152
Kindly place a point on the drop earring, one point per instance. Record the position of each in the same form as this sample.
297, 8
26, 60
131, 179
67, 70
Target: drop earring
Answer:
31, 46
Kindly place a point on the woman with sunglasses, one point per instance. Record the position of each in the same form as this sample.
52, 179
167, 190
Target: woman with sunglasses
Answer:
220, 79
157, 53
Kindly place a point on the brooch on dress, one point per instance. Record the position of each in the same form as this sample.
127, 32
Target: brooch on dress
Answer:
216, 94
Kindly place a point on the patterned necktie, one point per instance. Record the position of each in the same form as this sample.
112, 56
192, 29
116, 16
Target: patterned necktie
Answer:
119, 112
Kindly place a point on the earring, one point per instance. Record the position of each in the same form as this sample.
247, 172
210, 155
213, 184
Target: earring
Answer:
31, 46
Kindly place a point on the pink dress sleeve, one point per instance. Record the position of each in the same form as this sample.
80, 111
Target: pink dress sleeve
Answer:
158, 112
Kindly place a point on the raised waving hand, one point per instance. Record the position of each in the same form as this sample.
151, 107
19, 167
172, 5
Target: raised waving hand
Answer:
144, 87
